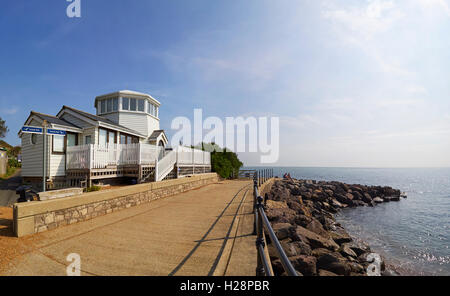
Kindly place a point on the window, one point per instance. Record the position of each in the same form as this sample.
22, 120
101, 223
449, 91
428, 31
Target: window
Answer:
33, 139
125, 104
156, 111
103, 106
88, 140
58, 144
128, 140
109, 105
111, 137
102, 137
132, 104
115, 103
72, 140
123, 139
150, 109
141, 105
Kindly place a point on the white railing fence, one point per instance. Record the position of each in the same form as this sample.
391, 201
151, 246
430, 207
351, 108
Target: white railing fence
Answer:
95, 156
165, 165
189, 156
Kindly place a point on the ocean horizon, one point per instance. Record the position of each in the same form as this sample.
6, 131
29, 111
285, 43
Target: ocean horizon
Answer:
413, 234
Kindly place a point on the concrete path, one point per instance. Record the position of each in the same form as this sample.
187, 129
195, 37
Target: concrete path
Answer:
193, 233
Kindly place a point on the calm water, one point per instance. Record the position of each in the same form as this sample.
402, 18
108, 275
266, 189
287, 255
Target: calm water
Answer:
414, 233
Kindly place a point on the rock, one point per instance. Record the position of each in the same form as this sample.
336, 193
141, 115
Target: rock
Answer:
336, 204
346, 251
366, 198
304, 264
358, 247
357, 268
333, 262
315, 240
302, 248
386, 198
320, 251
281, 230
281, 215
316, 227
326, 273
271, 204
329, 192
395, 198
359, 203
340, 236
302, 220
378, 200
277, 267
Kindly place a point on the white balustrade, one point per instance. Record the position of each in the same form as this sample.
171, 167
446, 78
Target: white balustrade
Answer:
101, 156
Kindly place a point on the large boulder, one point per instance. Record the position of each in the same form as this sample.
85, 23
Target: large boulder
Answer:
378, 200
281, 230
315, 240
305, 264
358, 247
366, 198
281, 215
340, 236
333, 262
346, 251
316, 227
302, 220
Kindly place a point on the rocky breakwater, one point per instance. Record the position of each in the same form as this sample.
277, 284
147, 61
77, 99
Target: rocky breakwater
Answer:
302, 215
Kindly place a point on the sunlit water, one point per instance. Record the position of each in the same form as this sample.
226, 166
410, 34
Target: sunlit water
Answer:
412, 234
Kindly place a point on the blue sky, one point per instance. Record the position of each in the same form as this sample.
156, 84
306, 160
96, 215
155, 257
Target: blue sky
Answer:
355, 83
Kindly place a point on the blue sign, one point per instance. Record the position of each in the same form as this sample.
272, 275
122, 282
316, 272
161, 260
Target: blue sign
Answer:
56, 132
32, 130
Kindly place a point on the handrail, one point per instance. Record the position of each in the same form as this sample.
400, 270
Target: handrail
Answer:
262, 223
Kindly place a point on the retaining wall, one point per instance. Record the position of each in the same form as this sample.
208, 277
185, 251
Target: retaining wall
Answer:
39, 216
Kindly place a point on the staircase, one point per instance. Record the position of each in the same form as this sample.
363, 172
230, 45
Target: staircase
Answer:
165, 165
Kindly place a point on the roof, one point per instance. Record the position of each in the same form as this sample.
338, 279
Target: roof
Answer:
53, 119
156, 134
128, 93
102, 119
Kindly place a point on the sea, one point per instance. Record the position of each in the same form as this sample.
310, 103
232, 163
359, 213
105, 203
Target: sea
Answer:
414, 234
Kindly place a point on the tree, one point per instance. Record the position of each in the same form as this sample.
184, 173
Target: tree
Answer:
225, 163
3, 128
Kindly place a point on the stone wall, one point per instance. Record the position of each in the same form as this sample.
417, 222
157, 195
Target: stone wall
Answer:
42, 216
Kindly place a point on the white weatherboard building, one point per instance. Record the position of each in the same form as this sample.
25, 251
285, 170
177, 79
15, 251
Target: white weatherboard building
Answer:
123, 139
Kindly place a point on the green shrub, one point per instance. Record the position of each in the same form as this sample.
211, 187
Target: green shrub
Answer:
14, 163
92, 189
225, 163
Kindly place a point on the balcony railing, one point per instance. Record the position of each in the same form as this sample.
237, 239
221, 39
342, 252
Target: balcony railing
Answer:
103, 156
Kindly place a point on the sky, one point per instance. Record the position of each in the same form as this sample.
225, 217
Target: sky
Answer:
354, 83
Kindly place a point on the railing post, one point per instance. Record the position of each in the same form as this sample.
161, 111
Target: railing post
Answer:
255, 196
156, 169
91, 156
259, 239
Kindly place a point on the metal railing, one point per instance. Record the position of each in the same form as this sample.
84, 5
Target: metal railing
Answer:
264, 265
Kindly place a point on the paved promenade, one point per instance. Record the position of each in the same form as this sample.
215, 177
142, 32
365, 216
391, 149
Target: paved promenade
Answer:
206, 231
